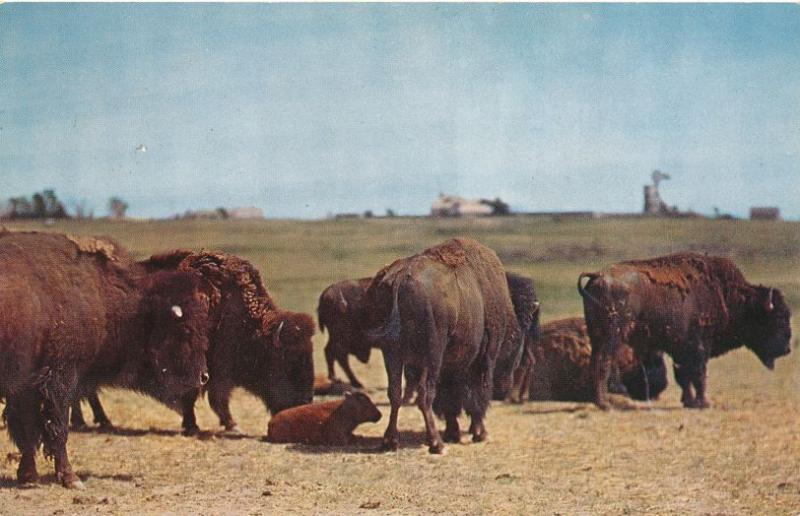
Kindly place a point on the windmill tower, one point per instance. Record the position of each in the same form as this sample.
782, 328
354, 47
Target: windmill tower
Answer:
653, 204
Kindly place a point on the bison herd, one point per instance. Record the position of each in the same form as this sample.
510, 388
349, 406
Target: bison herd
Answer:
78, 314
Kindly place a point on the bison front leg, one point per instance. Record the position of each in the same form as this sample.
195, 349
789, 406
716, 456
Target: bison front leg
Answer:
394, 372
76, 420
189, 423
219, 396
330, 358
683, 378
100, 417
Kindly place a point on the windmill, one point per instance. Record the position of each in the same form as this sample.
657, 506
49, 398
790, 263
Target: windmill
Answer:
653, 205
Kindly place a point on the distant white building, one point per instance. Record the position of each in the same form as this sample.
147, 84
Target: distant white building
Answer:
249, 212
455, 206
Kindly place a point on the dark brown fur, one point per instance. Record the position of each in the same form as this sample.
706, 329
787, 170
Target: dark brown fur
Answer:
252, 343
340, 311
563, 355
446, 315
330, 423
691, 306
78, 312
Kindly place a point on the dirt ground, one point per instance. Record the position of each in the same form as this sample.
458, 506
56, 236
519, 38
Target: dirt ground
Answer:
739, 457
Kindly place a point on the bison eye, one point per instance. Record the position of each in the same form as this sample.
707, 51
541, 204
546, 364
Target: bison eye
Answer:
177, 311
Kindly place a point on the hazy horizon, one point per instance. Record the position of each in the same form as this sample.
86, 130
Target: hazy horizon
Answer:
306, 110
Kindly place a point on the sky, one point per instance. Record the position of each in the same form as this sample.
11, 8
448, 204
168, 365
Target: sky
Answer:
305, 110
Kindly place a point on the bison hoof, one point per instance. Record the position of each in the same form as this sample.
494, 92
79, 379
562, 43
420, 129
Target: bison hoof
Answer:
389, 445
452, 437
697, 404
192, 430
480, 437
436, 448
27, 478
232, 431
603, 405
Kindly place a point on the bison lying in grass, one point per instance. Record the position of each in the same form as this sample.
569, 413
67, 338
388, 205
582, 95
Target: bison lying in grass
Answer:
78, 313
252, 343
330, 423
446, 315
562, 371
691, 306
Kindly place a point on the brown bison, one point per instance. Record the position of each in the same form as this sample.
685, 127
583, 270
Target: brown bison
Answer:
340, 311
78, 313
563, 372
691, 306
446, 315
526, 307
330, 423
252, 343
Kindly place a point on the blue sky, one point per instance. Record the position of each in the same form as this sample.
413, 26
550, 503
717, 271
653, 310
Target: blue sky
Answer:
305, 110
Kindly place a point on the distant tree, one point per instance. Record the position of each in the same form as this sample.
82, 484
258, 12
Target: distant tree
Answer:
498, 206
19, 208
368, 214
39, 208
222, 213
117, 208
53, 208
390, 213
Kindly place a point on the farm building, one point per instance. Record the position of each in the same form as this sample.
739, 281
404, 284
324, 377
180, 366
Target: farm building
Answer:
455, 206
765, 213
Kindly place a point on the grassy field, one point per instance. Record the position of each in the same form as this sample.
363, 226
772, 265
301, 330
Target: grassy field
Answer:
739, 457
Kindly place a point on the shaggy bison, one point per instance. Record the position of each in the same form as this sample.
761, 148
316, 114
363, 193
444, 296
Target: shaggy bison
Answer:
446, 315
691, 306
330, 423
526, 307
563, 372
340, 311
78, 313
252, 343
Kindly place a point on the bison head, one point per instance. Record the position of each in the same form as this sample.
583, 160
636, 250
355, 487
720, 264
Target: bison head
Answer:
766, 330
175, 325
290, 363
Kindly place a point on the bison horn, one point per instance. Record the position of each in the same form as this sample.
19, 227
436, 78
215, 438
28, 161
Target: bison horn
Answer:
769, 304
276, 340
343, 306
536, 306
177, 311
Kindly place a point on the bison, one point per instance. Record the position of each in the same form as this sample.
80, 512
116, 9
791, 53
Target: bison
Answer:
691, 306
526, 307
340, 311
252, 343
330, 423
563, 372
446, 315
78, 313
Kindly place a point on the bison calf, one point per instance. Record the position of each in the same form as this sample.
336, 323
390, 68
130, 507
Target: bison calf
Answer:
330, 423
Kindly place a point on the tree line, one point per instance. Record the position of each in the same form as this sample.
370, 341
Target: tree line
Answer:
47, 205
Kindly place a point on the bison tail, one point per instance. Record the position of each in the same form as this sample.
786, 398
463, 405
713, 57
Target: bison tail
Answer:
582, 290
390, 330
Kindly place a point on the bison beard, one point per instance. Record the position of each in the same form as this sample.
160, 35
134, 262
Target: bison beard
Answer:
444, 314
78, 311
691, 306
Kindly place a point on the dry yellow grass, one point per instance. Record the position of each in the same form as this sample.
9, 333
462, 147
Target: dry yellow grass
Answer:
740, 457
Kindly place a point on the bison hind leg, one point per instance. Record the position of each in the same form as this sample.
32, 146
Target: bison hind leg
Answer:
25, 429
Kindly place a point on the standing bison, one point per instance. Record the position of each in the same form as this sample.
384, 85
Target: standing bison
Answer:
563, 372
444, 314
252, 343
691, 306
340, 311
78, 312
